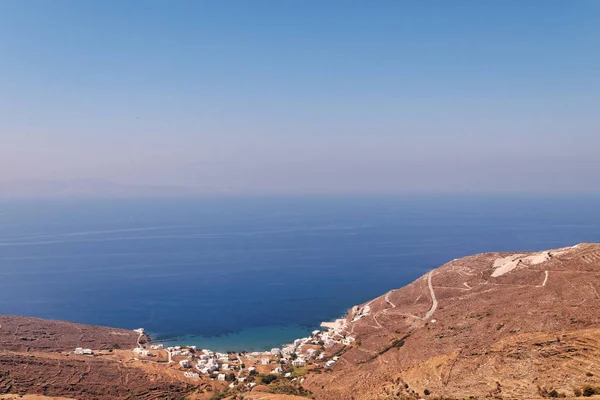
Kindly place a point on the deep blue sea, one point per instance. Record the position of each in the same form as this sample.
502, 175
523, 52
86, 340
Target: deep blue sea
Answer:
251, 273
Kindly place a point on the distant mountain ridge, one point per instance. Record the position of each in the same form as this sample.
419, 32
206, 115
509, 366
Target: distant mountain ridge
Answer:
85, 188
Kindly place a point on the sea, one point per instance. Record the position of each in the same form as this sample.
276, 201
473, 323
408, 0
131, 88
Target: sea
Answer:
252, 273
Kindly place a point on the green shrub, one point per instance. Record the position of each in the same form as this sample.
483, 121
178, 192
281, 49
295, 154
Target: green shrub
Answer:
266, 379
218, 396
589, 391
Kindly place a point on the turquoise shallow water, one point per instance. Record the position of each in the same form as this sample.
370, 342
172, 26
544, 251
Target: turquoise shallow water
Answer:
251, 339
253, 273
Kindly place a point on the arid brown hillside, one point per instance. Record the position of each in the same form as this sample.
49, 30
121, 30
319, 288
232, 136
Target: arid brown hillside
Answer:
36, 358
501, 325
35, 334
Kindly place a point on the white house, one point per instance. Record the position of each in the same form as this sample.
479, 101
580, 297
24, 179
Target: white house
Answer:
265, 361
225, 367
141, 351
348, 340
251, 369
221, 377
329, 364
275, 351
78, 350
193, 375
298, 362
288, 375
211, 365
277, 370
185, 363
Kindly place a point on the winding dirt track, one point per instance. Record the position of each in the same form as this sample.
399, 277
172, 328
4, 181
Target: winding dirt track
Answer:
433, 299
434, 304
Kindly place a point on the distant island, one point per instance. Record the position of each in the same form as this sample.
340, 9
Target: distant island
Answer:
94, 188
493, 325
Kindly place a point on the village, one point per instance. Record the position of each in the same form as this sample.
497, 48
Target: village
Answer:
242, 370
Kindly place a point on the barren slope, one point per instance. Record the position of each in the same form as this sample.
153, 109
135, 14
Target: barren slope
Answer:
505, 325
36, 357
36, 334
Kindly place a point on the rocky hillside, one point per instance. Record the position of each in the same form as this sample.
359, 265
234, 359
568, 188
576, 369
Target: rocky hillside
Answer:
504, 325
36, 358
35, 334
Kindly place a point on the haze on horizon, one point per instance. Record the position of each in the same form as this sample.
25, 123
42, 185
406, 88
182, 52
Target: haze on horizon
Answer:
301, 97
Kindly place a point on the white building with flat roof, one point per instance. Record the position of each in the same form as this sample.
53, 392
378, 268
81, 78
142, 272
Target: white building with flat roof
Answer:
298, 362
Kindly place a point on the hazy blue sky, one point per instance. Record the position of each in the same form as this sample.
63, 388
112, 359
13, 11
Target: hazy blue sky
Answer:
303, 96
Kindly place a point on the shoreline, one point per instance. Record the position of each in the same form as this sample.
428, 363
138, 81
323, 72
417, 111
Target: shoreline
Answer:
252, 339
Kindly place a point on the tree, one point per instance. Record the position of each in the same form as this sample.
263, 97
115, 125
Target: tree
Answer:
266, 379
589, 391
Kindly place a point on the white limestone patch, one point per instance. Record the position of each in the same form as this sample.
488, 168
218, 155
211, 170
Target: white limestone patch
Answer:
506, 264
537, 258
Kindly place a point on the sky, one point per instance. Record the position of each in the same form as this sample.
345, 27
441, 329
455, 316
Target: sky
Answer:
303, 97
